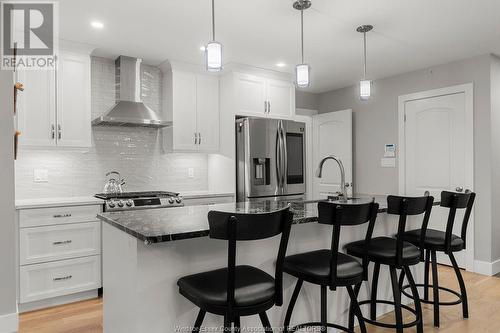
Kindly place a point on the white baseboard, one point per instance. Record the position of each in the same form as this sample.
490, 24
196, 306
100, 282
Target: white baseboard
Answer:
9, 323
487, 268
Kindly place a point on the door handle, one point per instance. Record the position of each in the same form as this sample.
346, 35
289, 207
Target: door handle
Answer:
53, 131
195, 138
265, 106
268, 107
59, 131
278, 160
199, 138
459, 189
285, 156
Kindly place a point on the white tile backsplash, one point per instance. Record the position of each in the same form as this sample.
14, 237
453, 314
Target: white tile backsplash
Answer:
135, 152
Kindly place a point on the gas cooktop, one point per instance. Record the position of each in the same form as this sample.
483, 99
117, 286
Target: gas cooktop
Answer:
140, 200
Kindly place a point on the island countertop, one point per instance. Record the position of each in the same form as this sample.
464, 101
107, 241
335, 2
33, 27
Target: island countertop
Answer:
169, 224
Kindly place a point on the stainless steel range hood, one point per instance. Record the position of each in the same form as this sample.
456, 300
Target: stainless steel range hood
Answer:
129, 110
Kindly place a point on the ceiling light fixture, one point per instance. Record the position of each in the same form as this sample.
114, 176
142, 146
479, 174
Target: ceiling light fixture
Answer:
302, 70
364, 85
213, 50
97, 24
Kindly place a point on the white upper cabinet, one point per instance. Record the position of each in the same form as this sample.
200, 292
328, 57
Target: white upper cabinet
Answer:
54, 108
191, 101
36, 119
261, 96
73, 101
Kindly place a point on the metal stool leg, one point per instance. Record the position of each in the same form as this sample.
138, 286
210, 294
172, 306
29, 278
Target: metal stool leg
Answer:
351, 308
199, 321
289, 311
324, 319
397, 299
435, 288
237, 325
463, 291
426, 274
356, 309
265, 322
373, 305
416, 298
227, 325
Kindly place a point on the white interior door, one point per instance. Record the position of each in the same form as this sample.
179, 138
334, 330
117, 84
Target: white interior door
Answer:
438, 155
332, 135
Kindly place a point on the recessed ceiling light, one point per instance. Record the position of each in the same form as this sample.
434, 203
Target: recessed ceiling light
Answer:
97, 24
202, 48
280, 64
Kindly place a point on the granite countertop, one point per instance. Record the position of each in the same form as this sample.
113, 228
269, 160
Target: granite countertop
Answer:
169, 224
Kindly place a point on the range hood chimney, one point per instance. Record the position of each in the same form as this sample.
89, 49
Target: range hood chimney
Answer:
129, 110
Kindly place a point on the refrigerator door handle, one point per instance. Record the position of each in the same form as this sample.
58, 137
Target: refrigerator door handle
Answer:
278, 160
285, 158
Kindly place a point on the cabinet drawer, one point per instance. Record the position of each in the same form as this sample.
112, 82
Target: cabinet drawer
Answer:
41, 281
49, 243
57, 215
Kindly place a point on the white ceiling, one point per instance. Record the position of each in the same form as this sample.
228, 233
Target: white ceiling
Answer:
408, 34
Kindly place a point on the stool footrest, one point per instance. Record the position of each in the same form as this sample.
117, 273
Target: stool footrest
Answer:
460, 299
313, 324
386, 325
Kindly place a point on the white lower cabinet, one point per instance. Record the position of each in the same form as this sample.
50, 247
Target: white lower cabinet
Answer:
52, 279
59, 242
59, 254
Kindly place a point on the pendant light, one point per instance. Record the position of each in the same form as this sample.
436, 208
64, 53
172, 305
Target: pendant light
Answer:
213, 50
364, 85
302, 70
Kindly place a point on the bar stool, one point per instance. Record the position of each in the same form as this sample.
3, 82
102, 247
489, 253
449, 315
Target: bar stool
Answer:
236, 291
443, 241
397, 254
328, 267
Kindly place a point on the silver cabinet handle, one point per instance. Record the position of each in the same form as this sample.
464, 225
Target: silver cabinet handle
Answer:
61, 215
459, 189
62, 278
268, 107
53, 131
62, 242
59, 131
195, 138
199, 138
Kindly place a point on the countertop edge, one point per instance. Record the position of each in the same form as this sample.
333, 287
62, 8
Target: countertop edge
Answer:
57, 202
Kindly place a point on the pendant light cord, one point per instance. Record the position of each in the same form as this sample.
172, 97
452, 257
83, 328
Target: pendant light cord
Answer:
302, 32
213, 20
364, 46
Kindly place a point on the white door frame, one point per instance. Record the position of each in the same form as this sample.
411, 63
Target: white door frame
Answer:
468, 90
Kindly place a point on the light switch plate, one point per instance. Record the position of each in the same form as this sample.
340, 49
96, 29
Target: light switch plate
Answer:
388, 162
190, 172
40, 175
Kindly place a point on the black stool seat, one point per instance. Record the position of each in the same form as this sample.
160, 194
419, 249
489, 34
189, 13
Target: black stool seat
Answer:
252, 287
314, 267
383, 250
434, 240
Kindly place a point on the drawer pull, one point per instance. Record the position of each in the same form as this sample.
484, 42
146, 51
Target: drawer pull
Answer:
62, 215
62, 242
62, 278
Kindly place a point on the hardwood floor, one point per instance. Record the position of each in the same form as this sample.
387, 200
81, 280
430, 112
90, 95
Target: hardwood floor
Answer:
484, 310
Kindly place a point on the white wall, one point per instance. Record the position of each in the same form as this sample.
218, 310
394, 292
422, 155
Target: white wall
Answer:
8, 315
306, 100
376, 123
495, 151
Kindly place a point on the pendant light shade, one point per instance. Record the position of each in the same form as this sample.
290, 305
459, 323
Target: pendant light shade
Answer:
213, 56
302, 73
213, 50
303, 70
365, 86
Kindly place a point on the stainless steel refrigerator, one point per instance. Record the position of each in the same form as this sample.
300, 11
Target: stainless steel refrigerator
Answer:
270, 159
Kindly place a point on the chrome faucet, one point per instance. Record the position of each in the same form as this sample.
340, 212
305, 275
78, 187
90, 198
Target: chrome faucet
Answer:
319, 172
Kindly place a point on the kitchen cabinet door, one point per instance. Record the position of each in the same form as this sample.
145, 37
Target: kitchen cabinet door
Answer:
250, 94
281, 98
207, 112
184, 111
36, 118
73, 101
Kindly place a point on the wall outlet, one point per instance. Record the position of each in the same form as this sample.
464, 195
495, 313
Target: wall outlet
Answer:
191, 172
40, 175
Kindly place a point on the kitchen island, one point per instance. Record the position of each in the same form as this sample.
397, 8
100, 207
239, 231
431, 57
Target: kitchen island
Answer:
145, 252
